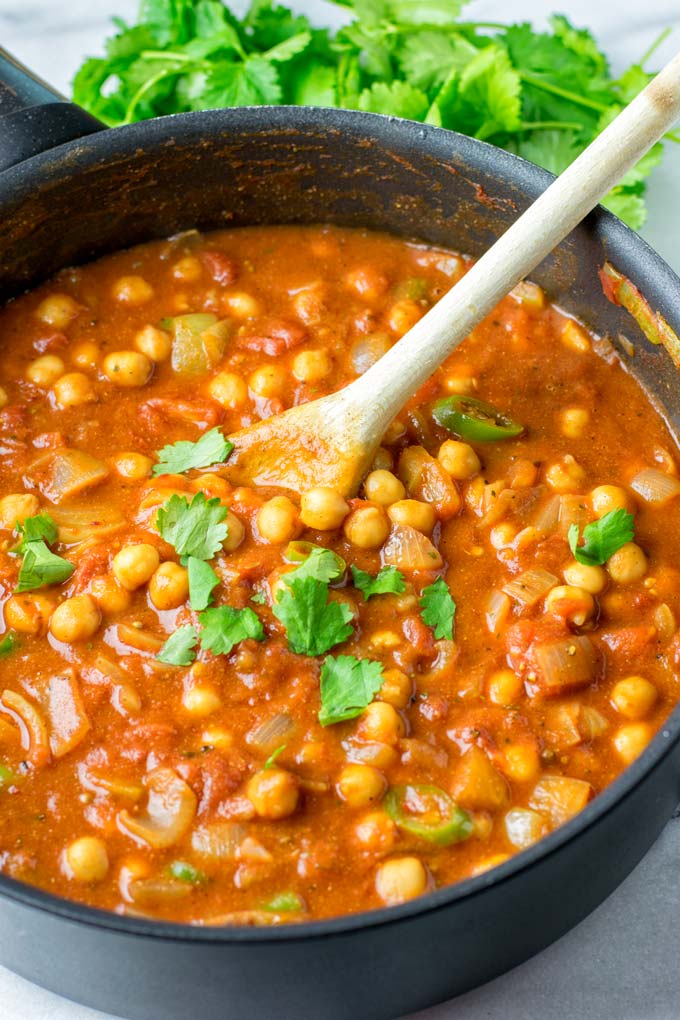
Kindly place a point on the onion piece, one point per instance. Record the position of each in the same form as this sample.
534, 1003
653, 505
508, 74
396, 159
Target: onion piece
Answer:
571, 662
547, 517
219, 841
655, 487
530, 586
246, 919
126, 789
91, 522
410, 550
148, 892
524, 827
560, 797
272, 733
63, 473
572, 511
497, 611
664, 621
32, 726
142, 640
425, 479
66, 712
170, 810
367, 350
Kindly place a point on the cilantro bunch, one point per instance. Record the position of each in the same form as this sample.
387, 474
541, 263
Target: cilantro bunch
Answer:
543, 95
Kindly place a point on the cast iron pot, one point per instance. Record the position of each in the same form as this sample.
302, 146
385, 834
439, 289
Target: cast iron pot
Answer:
114, 188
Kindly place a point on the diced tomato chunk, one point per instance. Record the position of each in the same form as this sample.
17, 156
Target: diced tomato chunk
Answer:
274, 337
222, 269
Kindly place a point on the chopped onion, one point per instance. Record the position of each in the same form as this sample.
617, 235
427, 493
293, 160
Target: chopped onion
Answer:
548, 516
63, 473
422, 755
142, 640
198, 343
571, 662
664, 621
530, 586
81, 523
246, 919
524, 827
170, 810
592, 723
148, 892
426, 479
126, 789
410, 550
655, 487
219, 841
369, 349
272, 733
66, 713
31, 725
497, 612
560, 797
572, 511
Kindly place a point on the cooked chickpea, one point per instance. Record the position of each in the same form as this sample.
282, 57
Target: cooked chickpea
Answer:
87, 859
360, 785
380, 723
218, 737
634, 697
573, 604
631, 740
229, 390
201, 700
268, 381
74, 389
312, 366
376, 833
383, 487
322, 508
502, 535
17, 507
4, 399
367, 282
133, 466
134, 565
85, 354
459, 459
397, 688
169, 586
28, 613
127, 368
236, 532
565, 475
413, 513
505, 687
57, 310
628, 564
154, 343
383, 460
278, 520
403, 315
241, 305
110, 596
45, 371
132, 290
308, 304
575, 337
582, 575
401, 879
395, 431
522, 762
273, 793
75, 619
461, 381
367, 527
606, 498
574, 421
188, 269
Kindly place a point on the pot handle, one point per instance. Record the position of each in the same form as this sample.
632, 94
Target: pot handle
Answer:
33, 116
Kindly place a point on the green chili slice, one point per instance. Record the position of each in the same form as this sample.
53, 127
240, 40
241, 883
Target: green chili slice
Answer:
474, 420
429, 813
284, 903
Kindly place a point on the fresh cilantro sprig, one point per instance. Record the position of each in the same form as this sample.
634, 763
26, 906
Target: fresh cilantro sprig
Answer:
438, 609
176, 458
543, 95
223, 627
348, 685
194, 529
180, 648
202, 582
313, 623
602, 538
40, 566
388, 581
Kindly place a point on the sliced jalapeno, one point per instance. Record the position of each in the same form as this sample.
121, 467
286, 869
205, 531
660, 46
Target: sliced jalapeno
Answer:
429, 813
474, 420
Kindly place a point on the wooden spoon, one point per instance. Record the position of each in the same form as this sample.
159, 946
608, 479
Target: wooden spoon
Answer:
332, 441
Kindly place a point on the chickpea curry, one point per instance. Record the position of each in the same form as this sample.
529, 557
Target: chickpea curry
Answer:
226, 705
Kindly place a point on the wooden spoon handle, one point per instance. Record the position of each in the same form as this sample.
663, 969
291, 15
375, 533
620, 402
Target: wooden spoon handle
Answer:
373, 400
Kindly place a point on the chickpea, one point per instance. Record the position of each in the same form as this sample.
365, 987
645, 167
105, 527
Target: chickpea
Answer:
606, 498
268, 381
367, 527
413, 513
634, 697
132, 290
109, 595
201, 700
573, 604
403, 315
75, 619
322, 508
312, 366
274, 793
581, 575
383, 487
505, 687
395, 431
308, 304
45, 370
169, 586
154, 343
187, 269
57, 310
368, 283
278, 520
574, 421
380, 723
401, 879
74, 389
236, 532
87, 859
397, 689
631, 740
133, 466
28, 613
85, 354
575, 337
4, 398
565, 475
360, 785
459, 459
502, 535
241, 305
127, 368
522, 762
134, 565
17, 507
628, 564
229, 390
461, 381
218, 737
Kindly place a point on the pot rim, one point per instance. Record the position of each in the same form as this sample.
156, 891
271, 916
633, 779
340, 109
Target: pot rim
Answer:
73, 156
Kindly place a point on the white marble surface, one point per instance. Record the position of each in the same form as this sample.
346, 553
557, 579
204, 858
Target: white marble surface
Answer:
622, 961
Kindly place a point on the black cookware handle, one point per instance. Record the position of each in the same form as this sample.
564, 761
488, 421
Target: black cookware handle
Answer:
33, 116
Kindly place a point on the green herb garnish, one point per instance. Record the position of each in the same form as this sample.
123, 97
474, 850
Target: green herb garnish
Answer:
180, 648
224, 626
185, 872
601, 539
202, 581
40, 566
211, 448
388, 581
313, 623
193, 529
438, 609
348, 685
8, 644
271, 760
284, 903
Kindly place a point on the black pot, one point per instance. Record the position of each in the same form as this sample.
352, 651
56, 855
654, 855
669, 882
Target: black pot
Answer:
117, 187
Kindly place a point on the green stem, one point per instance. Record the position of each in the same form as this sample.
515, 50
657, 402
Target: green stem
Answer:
673, 136
183, 58
143, 89
655, 45
550, 125
539, 83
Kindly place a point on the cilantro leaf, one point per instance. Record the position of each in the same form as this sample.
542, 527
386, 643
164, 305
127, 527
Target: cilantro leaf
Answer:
211, 448
438, 609
398, 99
259, 598
36, 528
313, 624
8, 643
388, 581
40, 566
224, 626
348, 685
193, 529
322, 564
202, 581
602, 538
179, 649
